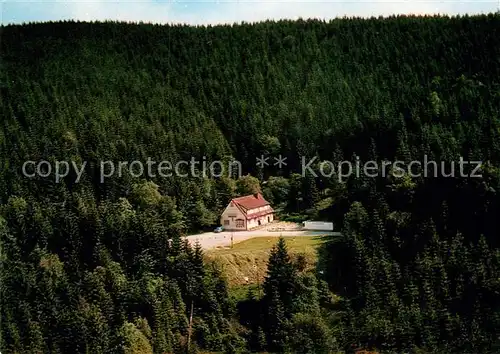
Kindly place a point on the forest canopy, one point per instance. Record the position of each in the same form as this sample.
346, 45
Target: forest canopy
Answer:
100, 266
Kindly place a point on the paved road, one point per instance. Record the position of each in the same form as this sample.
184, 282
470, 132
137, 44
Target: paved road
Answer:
223, 239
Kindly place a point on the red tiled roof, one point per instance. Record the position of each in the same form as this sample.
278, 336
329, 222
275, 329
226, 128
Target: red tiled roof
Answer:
250, 202
259, 214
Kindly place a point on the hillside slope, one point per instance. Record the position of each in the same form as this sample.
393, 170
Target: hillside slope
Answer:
246, 262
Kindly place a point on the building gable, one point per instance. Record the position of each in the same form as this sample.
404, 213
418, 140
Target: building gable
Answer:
233, 211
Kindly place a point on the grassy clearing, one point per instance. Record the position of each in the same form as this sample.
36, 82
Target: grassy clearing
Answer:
246, 263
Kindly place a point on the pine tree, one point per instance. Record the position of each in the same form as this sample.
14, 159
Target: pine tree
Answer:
276, 324
281, 277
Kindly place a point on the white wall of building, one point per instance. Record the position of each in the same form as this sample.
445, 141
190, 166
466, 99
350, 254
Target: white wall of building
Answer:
231, 214
263, 221
228, 222
318, 225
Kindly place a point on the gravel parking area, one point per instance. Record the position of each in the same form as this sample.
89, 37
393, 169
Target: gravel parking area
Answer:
211, 240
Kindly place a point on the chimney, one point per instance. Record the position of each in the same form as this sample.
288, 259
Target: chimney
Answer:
256, 195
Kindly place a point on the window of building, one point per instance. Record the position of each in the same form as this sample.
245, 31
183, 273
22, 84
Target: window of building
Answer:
226, 222
240, 223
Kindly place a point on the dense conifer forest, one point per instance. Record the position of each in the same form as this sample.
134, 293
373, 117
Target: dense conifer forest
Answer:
91, 267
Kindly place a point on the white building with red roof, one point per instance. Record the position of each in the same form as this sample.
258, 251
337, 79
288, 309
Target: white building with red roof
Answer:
246, 213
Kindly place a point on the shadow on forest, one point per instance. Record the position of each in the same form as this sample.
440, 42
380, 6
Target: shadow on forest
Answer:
333, 266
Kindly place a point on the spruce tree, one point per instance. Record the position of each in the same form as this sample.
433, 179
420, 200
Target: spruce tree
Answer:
281, 277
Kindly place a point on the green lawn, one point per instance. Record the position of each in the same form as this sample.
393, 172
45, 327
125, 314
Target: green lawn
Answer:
246, 262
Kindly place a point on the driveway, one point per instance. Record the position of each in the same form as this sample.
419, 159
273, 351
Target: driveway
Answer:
210, 240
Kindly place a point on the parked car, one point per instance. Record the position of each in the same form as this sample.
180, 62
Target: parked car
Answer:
218, 229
